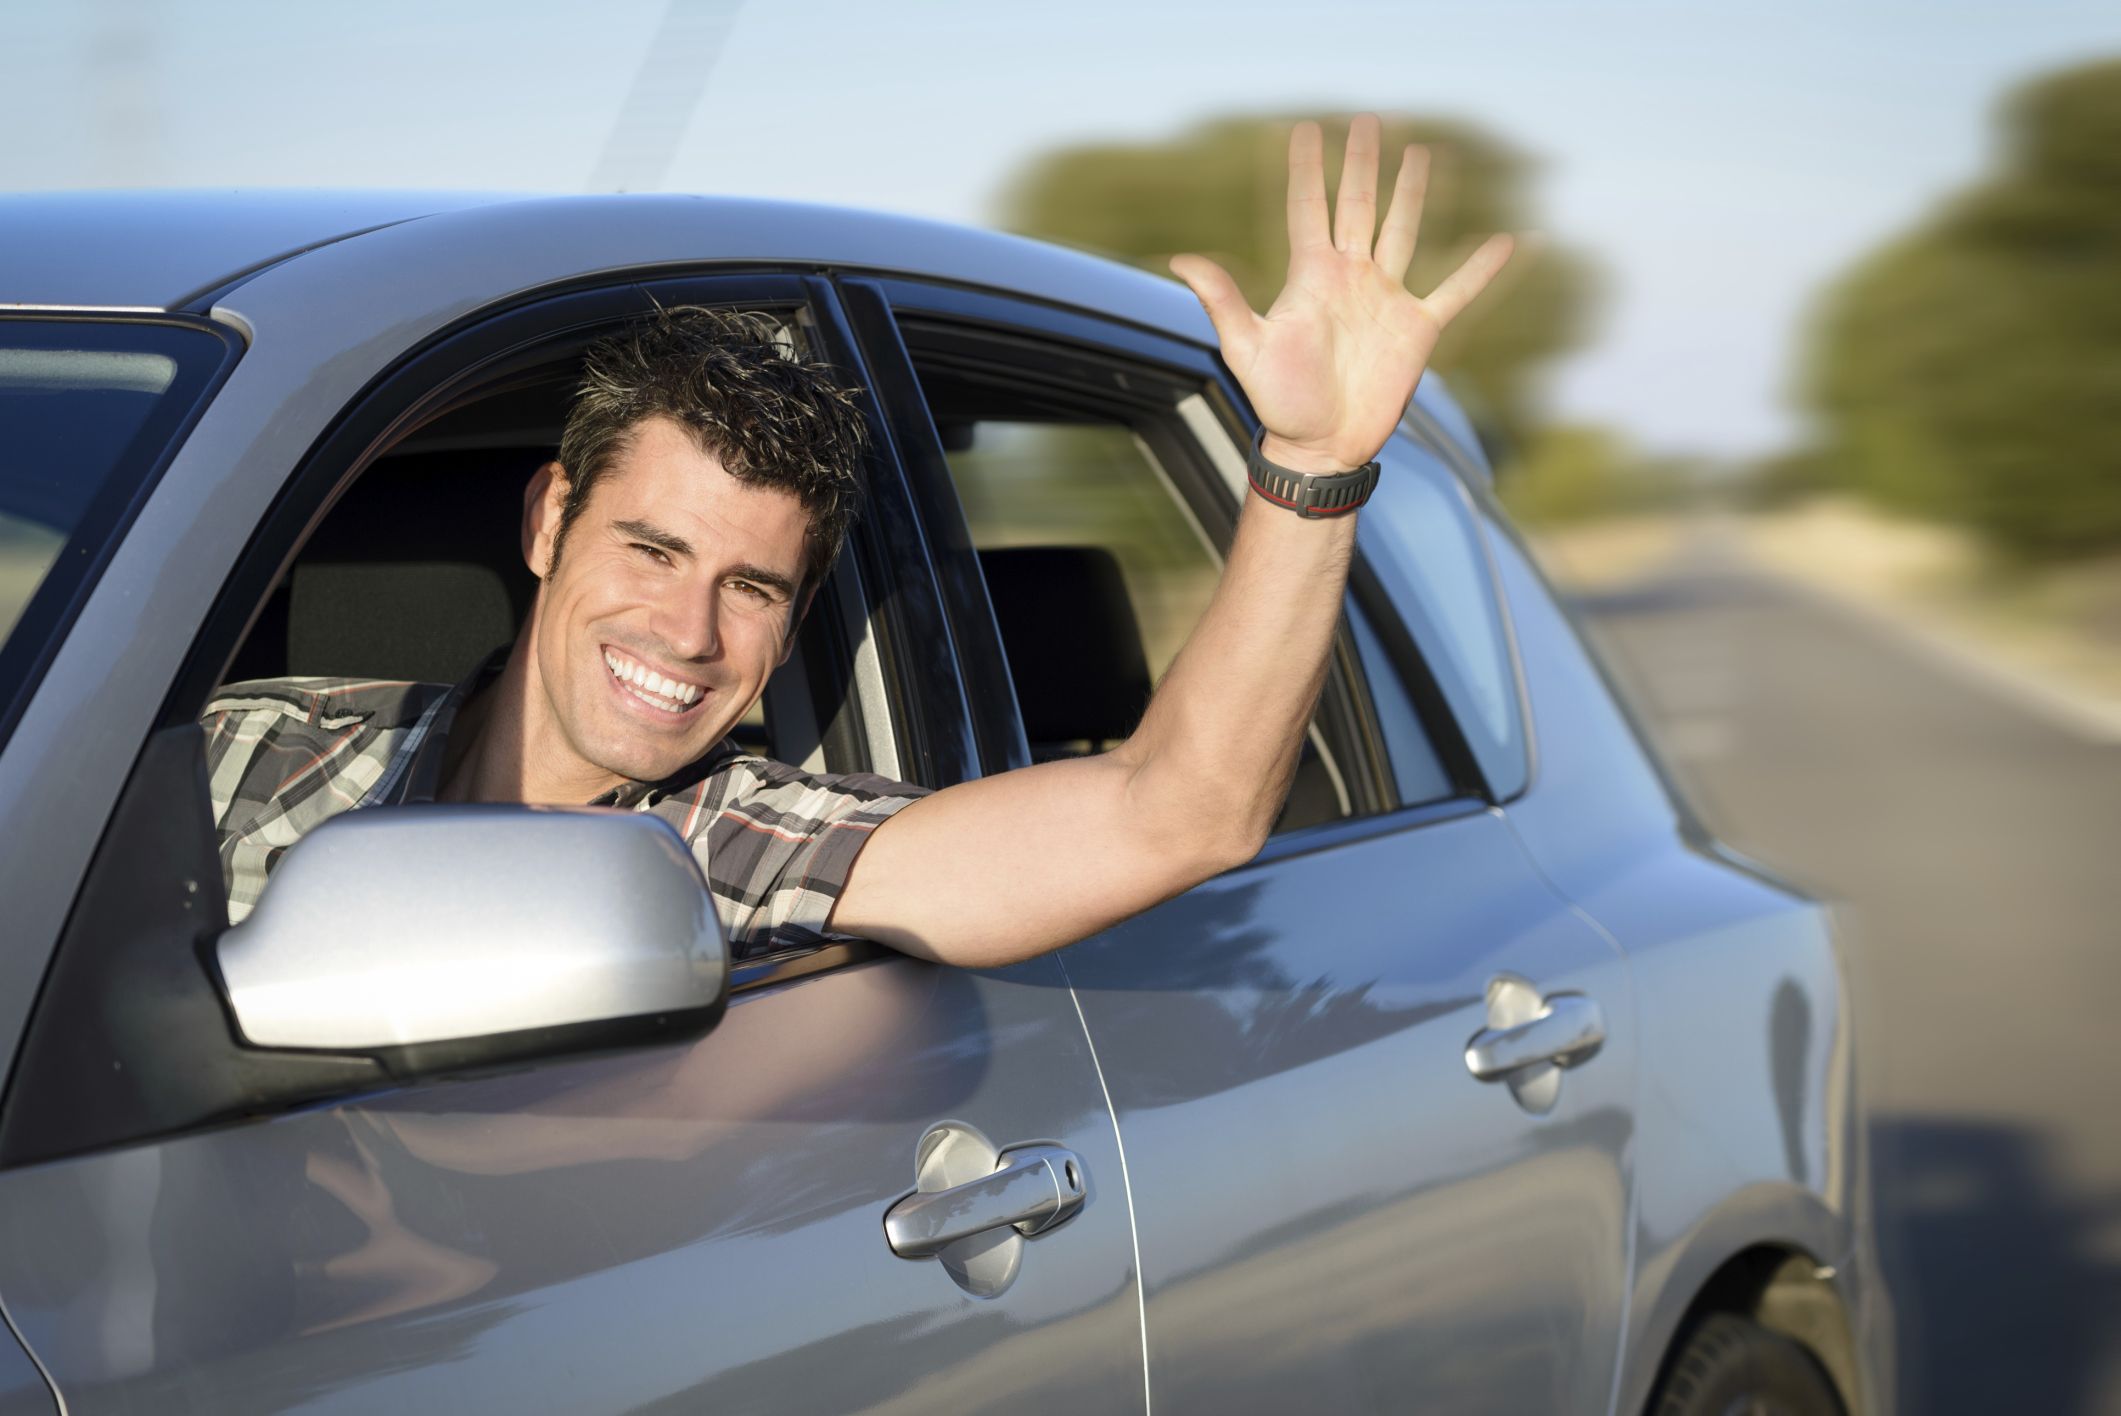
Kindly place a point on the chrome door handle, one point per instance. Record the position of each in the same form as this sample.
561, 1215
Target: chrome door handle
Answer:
1032, 1189
1569, 1030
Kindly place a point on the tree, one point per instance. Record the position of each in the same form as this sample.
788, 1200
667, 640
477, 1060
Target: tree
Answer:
1220, 189
1971, 370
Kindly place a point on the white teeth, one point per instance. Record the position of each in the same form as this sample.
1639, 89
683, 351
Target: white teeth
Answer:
671, 695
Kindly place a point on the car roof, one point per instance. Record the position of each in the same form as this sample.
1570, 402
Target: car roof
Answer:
169, 249
176, 249
163, 249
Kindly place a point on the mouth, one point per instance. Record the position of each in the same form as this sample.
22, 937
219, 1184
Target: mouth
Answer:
672, 698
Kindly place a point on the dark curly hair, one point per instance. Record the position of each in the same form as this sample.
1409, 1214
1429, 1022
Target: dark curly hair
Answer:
771, 418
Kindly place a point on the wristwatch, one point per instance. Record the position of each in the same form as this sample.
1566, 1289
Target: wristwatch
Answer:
1309, 494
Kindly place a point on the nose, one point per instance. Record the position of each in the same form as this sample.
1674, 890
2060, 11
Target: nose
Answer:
684, 620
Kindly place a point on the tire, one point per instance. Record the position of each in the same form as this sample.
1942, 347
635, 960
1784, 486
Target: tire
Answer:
1732, 1366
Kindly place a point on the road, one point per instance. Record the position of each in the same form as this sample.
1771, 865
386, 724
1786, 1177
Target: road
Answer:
1973, 848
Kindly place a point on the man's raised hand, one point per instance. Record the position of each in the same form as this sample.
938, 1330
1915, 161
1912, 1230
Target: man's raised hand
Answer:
1329, 368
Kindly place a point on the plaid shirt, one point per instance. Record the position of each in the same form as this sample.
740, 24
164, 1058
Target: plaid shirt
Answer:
283, 755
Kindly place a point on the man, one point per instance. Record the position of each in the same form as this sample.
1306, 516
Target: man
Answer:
702, 489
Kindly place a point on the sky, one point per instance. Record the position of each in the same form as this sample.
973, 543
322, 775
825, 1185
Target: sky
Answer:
1720, 163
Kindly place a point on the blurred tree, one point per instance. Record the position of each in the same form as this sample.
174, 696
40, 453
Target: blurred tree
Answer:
1971, 371
1221, 189
1577, 471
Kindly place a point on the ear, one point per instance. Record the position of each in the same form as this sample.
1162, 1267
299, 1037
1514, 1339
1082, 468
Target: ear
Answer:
543, 497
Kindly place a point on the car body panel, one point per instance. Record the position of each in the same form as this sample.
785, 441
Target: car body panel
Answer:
1750, 1125
23, 1390
1335, 1214
675, 1228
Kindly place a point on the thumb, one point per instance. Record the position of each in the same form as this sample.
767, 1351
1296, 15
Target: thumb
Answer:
1219, 296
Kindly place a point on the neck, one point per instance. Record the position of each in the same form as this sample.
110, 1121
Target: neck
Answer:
496, 751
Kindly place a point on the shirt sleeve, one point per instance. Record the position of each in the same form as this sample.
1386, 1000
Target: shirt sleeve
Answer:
779, 844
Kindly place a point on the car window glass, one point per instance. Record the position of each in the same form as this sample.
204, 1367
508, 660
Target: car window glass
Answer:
1032, 484
1416, 770
82, 405
1097, 573
1435, 560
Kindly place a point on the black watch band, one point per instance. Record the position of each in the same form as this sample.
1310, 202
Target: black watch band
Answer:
1312, 495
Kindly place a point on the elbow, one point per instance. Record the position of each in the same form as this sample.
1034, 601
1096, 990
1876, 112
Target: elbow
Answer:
1243, 844
1195, 835
1221, 838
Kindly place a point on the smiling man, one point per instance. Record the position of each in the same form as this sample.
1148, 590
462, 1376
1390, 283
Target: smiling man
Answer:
704, 485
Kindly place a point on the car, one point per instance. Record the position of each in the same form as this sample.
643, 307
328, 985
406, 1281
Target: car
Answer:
1494, 1083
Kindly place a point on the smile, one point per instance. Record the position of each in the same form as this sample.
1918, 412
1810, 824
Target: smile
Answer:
673, 696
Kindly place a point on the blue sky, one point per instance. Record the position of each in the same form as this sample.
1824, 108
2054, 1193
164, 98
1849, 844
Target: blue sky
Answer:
1719, 161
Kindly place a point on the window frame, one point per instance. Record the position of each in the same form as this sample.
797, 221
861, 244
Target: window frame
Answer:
1066, 336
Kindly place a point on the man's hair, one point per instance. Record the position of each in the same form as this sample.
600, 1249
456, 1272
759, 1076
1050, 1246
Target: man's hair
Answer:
728, 378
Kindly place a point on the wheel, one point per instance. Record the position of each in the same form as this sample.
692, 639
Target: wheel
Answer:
1732, 1366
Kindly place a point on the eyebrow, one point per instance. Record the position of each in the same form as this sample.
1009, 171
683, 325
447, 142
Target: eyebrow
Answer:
679, 546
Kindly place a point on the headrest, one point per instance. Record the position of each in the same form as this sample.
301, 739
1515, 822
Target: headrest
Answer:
418, 572
1074, 647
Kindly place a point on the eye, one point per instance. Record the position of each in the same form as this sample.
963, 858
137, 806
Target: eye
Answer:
746, 588
654, 552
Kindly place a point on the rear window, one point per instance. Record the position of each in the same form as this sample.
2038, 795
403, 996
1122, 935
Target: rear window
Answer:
86, 410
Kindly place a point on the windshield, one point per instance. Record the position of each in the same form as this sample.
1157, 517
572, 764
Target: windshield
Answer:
86, 408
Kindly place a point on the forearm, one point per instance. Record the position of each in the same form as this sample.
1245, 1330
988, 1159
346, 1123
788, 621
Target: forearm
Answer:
1217, 747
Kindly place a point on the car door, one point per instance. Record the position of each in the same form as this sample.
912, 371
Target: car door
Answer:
1335, 1212
698, 1225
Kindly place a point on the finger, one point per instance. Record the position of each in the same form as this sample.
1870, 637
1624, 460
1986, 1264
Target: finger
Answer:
1395, 243
1355, 215
1218, 294
1461, 285
1308, 227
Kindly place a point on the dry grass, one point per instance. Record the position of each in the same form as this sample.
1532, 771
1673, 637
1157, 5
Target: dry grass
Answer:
1593, 555
2062, 622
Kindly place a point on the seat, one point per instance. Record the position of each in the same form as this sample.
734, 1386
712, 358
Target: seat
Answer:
1075, 654
417, 573
1073, 644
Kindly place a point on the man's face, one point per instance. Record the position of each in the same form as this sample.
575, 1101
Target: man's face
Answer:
671, 603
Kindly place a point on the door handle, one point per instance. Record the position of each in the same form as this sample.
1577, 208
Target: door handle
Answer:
1032, 1189
1567, 1031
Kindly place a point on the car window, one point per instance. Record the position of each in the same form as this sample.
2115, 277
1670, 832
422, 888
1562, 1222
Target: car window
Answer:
1097, 572
1088, 485
86, 407
1096, 510
1433, 563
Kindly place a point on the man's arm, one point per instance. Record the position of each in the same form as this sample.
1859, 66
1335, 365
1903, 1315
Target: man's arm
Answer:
1010, 866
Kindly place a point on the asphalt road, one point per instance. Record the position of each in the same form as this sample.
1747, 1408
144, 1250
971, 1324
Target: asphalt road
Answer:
1972, 845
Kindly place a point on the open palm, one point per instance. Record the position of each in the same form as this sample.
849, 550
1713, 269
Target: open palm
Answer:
1329, 368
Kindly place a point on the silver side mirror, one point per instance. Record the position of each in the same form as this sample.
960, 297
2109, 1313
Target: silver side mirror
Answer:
469, 934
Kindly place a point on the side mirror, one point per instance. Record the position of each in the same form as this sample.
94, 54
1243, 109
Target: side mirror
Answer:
451, 936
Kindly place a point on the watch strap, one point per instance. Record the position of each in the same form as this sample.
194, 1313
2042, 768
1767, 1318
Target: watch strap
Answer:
1312, 495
